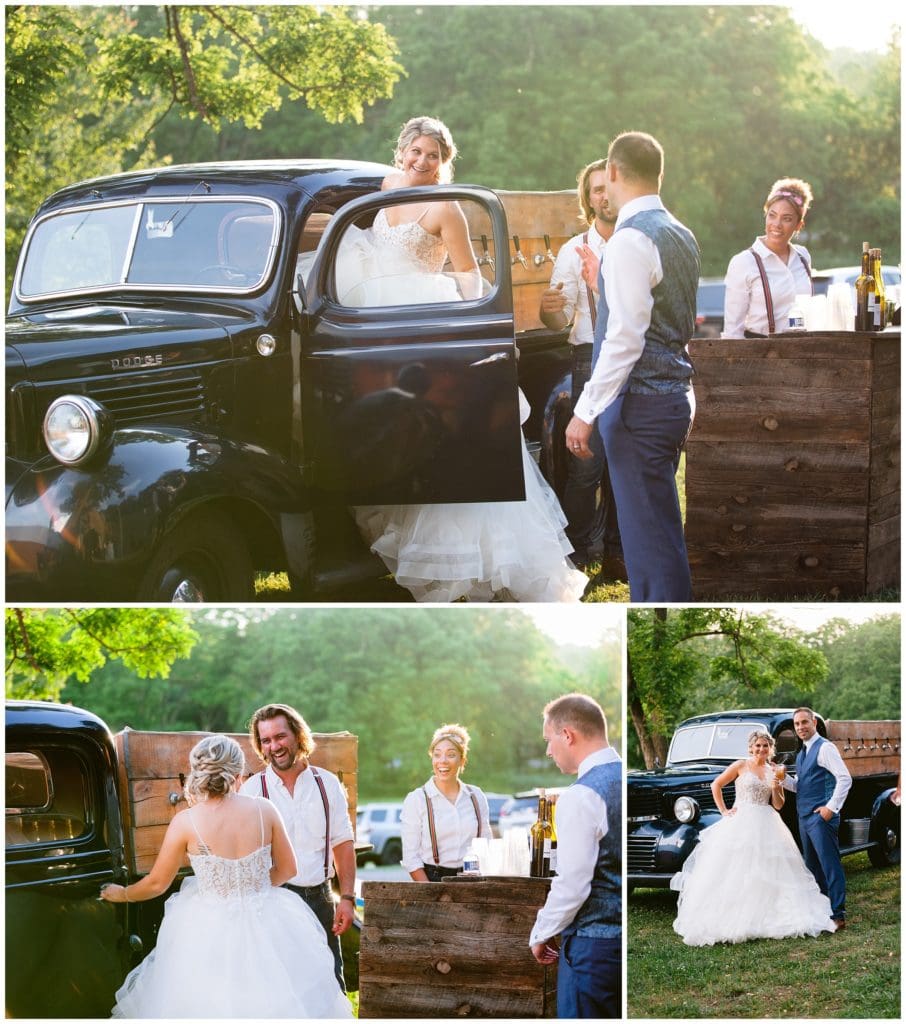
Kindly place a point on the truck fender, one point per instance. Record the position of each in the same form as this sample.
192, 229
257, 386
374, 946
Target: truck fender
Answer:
113, 513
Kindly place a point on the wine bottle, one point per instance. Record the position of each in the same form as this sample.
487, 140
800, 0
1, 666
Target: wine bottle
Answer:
879, 309
540, 834
552, 814
863, 283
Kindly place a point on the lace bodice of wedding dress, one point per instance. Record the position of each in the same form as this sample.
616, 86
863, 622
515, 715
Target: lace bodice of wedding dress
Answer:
231, 878
426, 251
750, 789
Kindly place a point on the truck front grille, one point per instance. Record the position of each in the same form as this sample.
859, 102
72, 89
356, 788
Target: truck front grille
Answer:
135, 399
180, 396
640, 852
644, 804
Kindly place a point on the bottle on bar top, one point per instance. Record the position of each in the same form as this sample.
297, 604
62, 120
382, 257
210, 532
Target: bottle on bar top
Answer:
552, 814
879, 307
864, 282
540, 834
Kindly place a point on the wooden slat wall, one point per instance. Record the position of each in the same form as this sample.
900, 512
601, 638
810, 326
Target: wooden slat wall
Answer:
531, 216
453, 949
868, 747
150, 764
792, 466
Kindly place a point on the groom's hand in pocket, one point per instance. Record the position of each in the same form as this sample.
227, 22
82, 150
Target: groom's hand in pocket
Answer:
545, 952
825, 812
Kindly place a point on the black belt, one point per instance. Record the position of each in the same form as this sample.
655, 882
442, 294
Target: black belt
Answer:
307, 890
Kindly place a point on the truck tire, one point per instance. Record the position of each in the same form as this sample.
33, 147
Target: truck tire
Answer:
885, 832
204, 558
393, 850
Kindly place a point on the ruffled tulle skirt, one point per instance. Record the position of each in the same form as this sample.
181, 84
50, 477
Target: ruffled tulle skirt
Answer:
479, 551
261, 956
746, 879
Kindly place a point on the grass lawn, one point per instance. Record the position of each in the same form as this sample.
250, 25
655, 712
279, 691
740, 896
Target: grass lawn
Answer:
855, 973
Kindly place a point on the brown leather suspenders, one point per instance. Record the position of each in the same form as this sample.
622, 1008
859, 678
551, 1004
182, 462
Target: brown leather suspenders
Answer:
320, 782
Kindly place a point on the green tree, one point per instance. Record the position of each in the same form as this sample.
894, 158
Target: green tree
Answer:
755, 654
47, 648
388, 675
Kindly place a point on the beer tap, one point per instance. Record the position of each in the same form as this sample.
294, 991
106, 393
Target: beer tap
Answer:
519, 258
540, 259
486, 259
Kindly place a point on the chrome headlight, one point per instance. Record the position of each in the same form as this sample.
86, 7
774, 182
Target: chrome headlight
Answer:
74, 428
686, 810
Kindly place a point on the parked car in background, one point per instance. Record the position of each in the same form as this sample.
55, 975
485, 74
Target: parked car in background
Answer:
709, 307
495, 802
379, 825
521, 810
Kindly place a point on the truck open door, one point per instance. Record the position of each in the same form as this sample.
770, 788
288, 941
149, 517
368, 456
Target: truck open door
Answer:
406, 377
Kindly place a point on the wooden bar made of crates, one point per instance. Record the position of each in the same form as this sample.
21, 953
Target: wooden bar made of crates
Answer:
793, 466
455, 948
868, 748
151, 791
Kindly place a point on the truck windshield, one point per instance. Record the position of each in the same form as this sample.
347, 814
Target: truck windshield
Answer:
709, 740
203, 244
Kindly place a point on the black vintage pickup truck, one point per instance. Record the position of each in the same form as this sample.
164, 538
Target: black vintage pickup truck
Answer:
84, 807
198, 388
668, 807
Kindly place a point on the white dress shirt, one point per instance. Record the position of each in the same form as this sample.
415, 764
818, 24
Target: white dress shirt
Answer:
831, 760
303, 815
744, 305
632, 270
581, 825
455, 826
568, 269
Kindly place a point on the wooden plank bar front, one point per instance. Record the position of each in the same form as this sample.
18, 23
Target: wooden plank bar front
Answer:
456, 948
793, 466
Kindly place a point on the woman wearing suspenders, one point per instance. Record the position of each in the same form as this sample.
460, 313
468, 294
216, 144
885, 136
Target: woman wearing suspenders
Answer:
763, 281
441, 818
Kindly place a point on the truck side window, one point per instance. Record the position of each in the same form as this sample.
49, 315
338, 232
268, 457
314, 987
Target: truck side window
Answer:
400, 260
786, 742
46, 799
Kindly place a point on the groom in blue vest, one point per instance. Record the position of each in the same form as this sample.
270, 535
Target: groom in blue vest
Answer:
821, 784
640, 389
584, 905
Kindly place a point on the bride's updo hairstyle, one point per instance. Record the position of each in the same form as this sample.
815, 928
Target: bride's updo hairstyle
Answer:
760, 734
431, 128
214, 765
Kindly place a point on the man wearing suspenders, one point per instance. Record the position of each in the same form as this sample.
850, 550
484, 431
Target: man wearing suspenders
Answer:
312, 803
587, 499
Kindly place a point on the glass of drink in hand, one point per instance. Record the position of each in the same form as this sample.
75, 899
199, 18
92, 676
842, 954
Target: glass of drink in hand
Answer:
779, 772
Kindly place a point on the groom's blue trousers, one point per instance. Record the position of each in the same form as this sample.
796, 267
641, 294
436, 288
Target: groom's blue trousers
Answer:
821, 850
589, 978
643, 437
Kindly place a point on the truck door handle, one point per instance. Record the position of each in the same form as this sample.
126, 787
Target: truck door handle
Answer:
495, 358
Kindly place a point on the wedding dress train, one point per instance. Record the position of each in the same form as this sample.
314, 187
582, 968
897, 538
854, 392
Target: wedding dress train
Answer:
746, 878
232, 945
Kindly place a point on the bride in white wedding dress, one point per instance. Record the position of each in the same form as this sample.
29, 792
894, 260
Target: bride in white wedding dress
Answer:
231, 944
746, 878
478, 551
